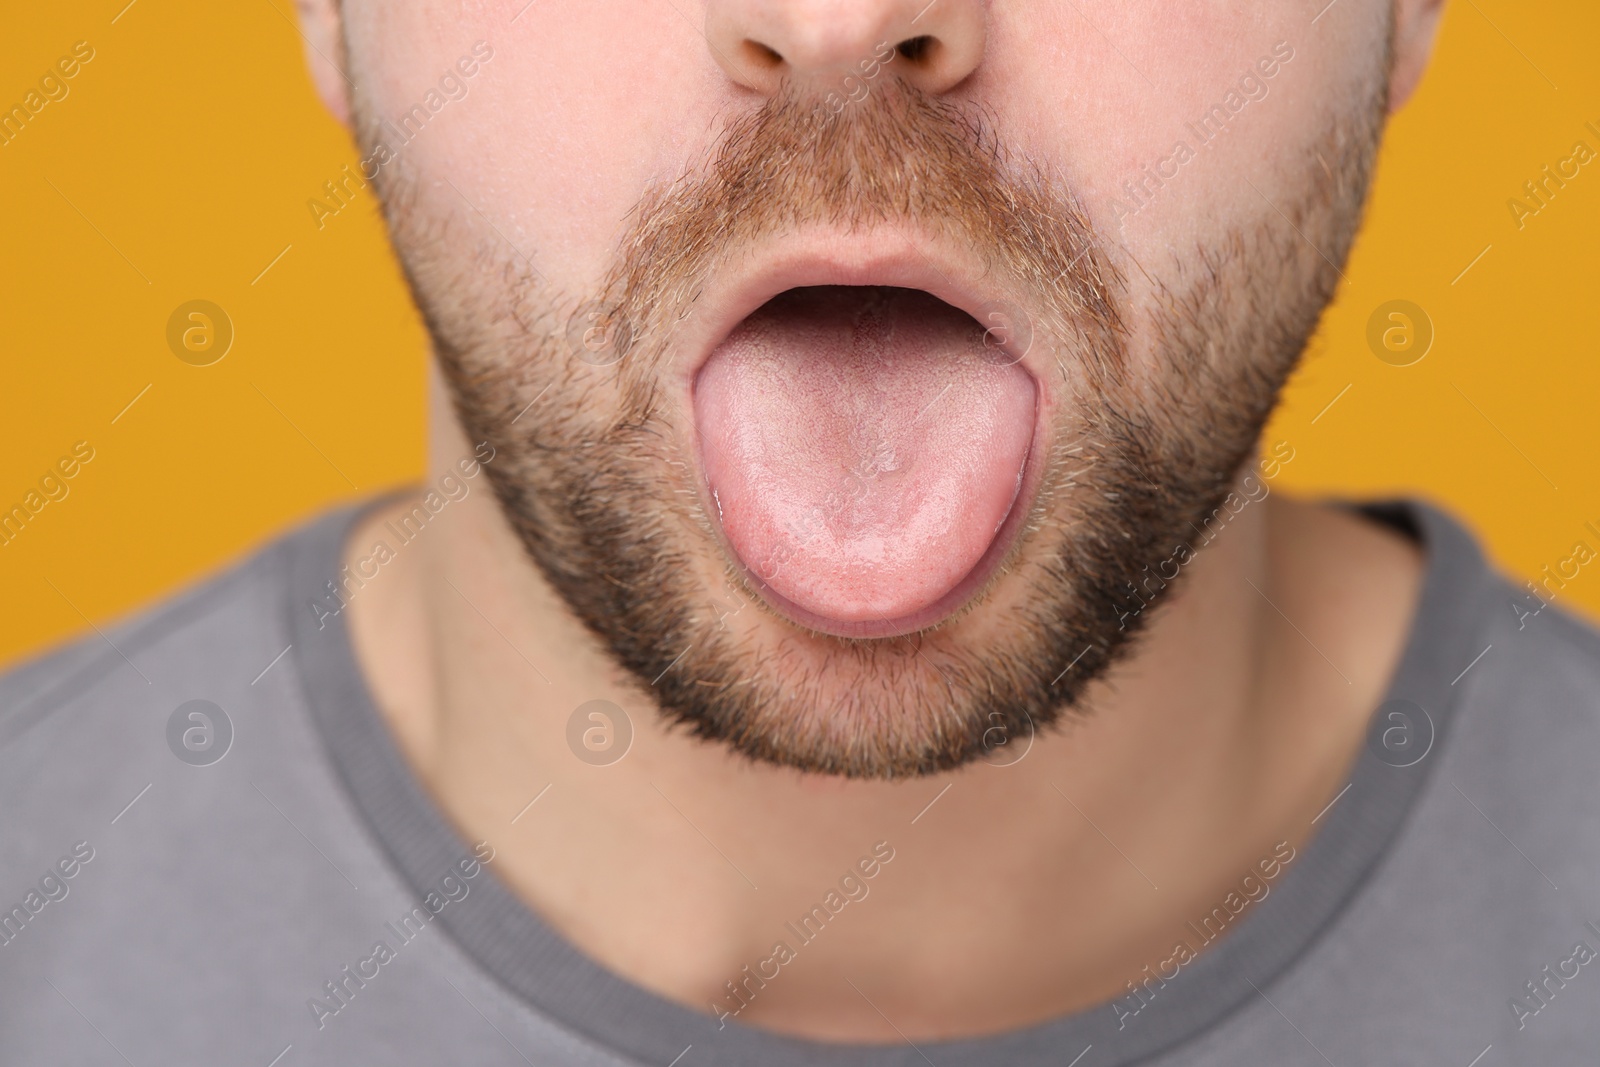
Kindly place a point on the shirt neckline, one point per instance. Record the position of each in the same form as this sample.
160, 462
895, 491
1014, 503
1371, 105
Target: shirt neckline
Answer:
558, 982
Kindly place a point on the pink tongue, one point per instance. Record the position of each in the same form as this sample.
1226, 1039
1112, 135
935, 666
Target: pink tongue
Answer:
863, 446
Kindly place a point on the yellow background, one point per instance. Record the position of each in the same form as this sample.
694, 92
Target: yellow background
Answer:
179, 166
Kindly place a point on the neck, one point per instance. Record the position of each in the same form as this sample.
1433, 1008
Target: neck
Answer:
998, 895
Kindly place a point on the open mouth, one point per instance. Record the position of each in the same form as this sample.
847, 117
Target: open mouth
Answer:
869, 454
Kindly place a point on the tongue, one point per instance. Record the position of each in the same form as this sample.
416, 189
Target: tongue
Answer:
863, 446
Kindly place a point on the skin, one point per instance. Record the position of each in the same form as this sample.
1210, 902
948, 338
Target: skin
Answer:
1226, 731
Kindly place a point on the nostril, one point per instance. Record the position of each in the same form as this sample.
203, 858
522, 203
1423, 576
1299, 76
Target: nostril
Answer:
764, 45
759, 55
916, 49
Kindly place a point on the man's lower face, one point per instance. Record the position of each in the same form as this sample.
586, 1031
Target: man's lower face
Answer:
861, 443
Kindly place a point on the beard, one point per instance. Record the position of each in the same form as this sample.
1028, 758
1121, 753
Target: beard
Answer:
596, 471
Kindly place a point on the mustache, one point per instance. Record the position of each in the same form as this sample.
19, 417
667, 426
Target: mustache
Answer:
897, 157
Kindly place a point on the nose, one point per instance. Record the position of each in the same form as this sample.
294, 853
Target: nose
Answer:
761, 43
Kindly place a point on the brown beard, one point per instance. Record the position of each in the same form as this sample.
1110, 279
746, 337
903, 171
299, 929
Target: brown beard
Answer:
599, 479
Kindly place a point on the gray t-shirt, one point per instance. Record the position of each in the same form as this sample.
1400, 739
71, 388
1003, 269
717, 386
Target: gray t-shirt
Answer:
211, 852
